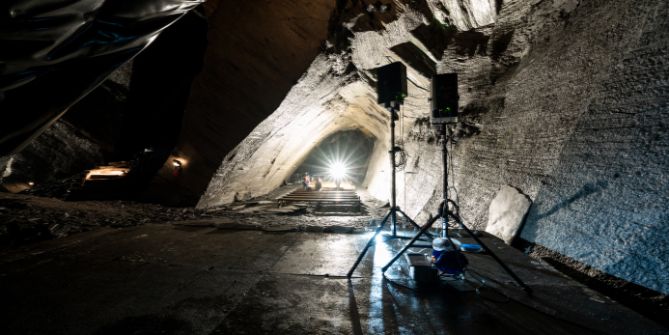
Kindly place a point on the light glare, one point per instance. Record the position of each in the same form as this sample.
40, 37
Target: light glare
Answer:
338, 170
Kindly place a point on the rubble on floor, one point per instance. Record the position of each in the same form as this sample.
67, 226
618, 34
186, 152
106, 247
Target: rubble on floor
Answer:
27, 218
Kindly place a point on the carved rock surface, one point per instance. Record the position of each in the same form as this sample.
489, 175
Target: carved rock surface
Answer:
466, 14
566, 100
57, 153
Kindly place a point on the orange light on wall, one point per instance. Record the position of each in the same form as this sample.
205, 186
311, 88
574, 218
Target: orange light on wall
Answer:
106, 172
178, 166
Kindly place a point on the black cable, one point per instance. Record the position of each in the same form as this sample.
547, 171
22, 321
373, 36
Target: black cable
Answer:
451, 172
401, 158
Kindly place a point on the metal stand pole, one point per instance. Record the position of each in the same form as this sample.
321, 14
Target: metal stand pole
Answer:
444, 192
393, 196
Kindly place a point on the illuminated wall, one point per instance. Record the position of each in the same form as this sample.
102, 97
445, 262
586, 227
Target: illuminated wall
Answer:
563, 100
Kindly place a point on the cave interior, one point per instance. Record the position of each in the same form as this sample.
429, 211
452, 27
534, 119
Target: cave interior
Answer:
216, 167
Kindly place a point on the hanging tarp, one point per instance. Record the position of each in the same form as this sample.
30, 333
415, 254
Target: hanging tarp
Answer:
53, 52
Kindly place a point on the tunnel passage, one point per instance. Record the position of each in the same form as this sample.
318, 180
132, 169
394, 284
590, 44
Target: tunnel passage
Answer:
343, 157
311, 112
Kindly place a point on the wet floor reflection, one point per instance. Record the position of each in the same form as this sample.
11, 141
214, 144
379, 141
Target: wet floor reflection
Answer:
391, 307
372, 303
394, 304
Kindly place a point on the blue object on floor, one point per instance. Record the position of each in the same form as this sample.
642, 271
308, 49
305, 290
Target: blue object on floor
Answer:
470, 247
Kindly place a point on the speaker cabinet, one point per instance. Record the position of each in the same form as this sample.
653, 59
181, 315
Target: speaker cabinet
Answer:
445, 98
392, 83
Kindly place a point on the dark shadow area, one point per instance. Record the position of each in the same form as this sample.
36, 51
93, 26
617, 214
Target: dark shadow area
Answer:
160, 85
435, 36
150, 123
148, 325
59, 52
469, 43
154, 279
418, 60
500, 43
353, 310
132, 121
586, 190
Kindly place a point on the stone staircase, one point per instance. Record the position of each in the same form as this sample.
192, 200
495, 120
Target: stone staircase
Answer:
327, 200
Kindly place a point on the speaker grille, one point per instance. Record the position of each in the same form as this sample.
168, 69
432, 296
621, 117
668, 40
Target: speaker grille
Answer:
445, 95
392, 83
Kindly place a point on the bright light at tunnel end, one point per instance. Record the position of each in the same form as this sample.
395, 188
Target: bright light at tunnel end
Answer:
338, 170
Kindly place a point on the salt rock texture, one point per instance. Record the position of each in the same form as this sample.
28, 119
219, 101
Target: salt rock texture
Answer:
565, 99
56, 153
506, 213
465, 14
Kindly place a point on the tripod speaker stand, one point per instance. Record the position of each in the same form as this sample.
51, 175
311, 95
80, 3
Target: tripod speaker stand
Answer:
394, 209
391, 89
444, 215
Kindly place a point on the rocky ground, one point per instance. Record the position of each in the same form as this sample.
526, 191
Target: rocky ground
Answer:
27, 218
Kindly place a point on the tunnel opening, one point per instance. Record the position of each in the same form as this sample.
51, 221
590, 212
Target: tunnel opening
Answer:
341, 159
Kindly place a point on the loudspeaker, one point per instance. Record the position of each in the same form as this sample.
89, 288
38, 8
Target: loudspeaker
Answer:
445, 98
392, 83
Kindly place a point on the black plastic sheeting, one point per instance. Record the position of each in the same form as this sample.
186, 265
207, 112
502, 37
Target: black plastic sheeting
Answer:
53, 52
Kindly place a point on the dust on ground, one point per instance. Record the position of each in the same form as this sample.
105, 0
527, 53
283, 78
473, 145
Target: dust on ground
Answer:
28, 218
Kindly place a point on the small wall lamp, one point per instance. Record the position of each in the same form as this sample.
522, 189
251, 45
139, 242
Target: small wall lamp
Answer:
177, 167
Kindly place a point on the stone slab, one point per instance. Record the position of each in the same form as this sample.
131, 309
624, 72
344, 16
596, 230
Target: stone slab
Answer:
506, 213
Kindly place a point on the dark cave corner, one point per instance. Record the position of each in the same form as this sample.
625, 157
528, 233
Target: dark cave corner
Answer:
134, 117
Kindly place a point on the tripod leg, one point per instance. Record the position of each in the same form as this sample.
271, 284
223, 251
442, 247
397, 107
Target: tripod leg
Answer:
497, 259
369, 244
408, 245
385, 219
412, 221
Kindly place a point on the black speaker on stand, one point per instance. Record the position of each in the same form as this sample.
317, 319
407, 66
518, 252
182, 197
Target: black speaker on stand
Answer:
445, 98
391, 89
445, 112
391, 85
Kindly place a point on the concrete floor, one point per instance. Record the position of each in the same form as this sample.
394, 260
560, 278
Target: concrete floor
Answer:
164, 279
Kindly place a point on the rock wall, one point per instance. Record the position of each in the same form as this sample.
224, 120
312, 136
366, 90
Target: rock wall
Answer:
605, 202
578, 125
59, 152
465, 14
564, 100
257, 51
324, 102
